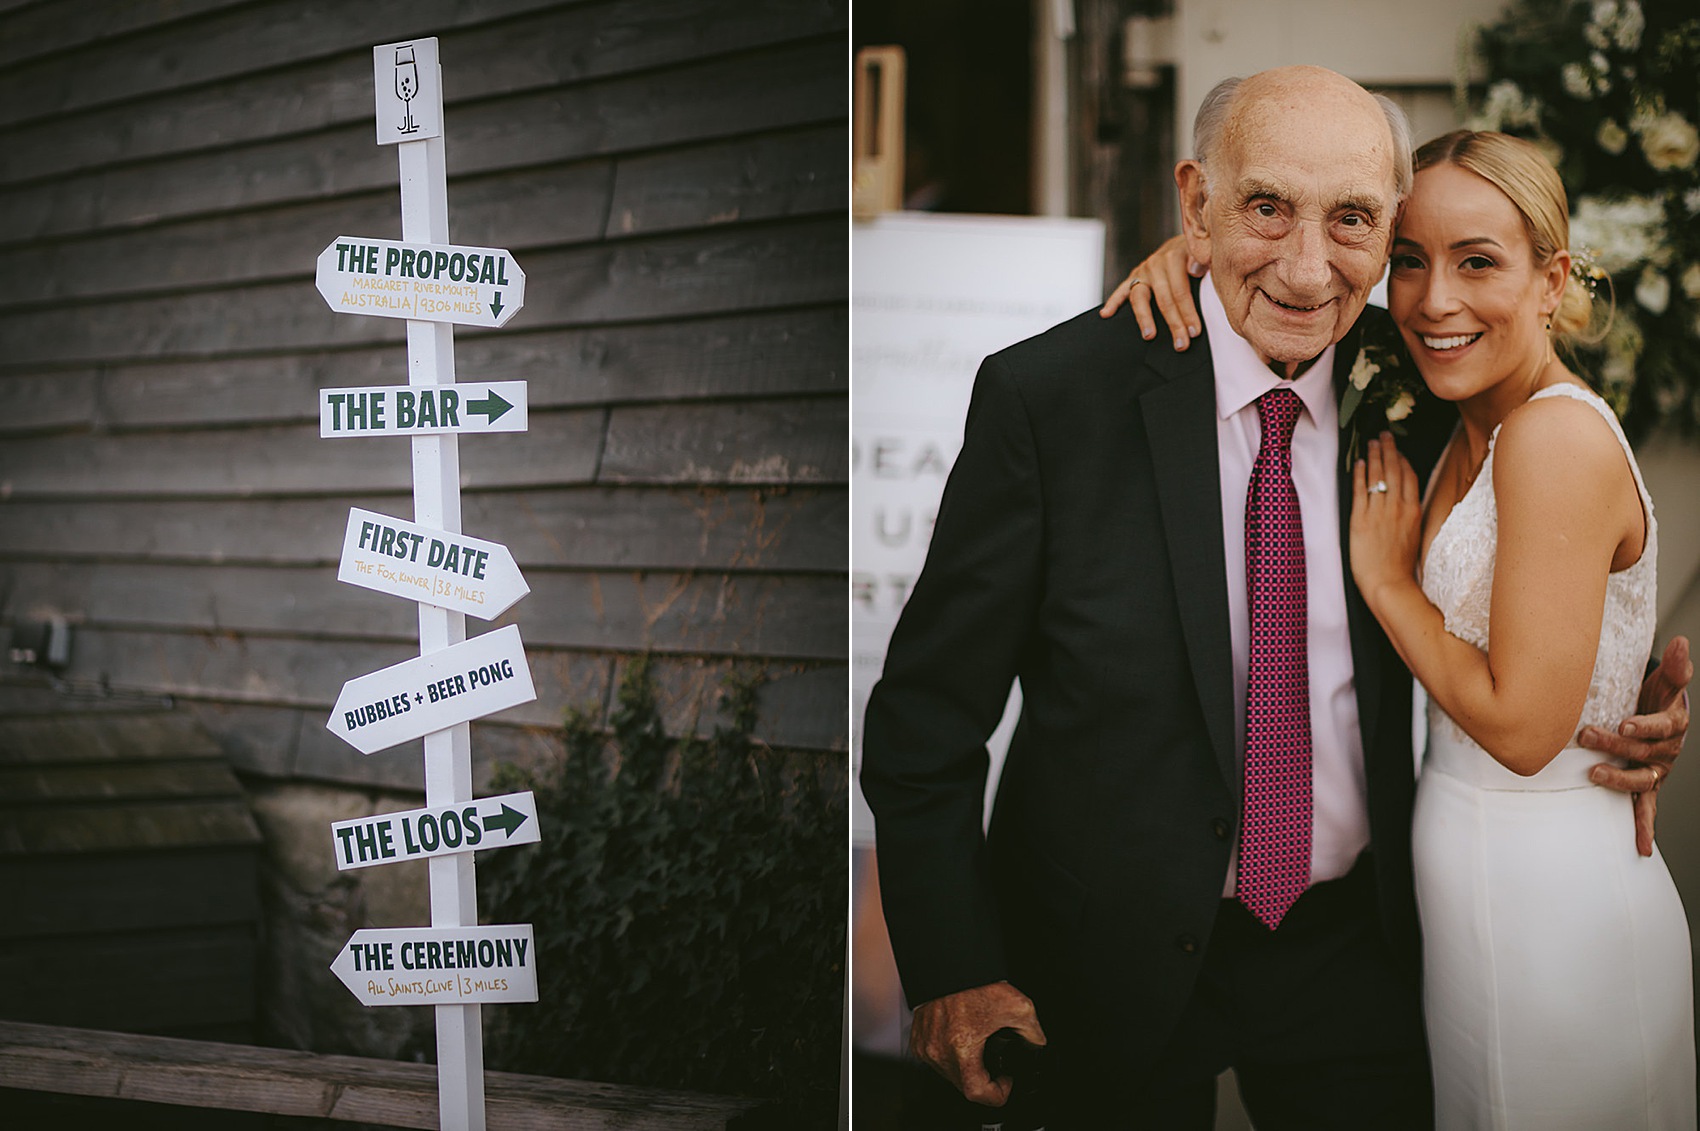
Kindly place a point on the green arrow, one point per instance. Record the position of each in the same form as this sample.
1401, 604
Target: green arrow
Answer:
496, 305
509, 820
492, 406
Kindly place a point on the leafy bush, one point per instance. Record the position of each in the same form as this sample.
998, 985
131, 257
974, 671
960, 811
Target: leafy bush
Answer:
688, 898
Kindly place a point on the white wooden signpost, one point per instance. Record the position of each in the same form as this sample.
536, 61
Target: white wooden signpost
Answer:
454, 964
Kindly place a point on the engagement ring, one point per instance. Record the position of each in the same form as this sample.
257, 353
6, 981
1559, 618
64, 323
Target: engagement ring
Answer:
1379, 487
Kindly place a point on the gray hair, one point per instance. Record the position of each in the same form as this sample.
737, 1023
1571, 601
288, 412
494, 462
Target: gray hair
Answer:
1213, 115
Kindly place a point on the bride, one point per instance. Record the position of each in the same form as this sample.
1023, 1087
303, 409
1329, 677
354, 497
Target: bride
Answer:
1519, 589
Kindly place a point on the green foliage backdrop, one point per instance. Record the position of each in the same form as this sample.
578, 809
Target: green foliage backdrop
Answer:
689, 901
1610, 89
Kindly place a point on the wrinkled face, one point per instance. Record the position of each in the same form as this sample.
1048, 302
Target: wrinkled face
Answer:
1464, 288
1298, 219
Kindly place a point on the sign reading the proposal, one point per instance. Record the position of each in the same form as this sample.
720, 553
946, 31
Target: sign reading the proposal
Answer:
433, 692
399, 410
451, 571
439, 965
489, 822
469, 286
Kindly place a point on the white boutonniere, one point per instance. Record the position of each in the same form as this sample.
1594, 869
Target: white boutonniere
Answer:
1381, 389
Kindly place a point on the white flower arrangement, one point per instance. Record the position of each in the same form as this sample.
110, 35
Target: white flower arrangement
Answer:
1610, 92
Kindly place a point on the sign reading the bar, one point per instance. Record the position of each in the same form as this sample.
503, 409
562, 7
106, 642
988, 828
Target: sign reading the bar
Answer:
439, 965
451, 571
469, 286
409, 90
423, 410
489, 822
433, 692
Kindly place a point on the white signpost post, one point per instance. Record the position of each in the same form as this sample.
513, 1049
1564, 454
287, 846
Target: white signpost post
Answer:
454, 964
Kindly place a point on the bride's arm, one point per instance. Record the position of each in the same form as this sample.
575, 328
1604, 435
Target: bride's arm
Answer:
1559, 485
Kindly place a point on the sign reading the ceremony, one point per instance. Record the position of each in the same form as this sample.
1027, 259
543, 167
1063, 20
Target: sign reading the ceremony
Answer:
489, 822
433, 692
469, 286
423, 410
439, 965
409, 91
451, 571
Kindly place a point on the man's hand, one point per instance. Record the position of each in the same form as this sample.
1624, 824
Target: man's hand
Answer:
1649, 741
950, 1034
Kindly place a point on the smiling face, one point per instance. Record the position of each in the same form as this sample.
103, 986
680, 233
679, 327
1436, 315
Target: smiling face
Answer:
1296, 214
1465, 289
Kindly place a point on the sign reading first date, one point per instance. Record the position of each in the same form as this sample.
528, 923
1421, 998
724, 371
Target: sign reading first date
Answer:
468, 286
450, 571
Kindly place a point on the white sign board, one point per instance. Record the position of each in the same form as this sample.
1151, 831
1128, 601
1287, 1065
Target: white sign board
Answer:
408, 88
451, 571
489, 822
433, 692
423, 410
931, 297
429, 282
439, 965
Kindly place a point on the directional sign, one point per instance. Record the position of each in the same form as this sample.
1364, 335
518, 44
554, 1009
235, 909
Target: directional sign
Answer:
451, 571
439, 965
409, 90
469, 286
489, 822
423, 410
433, 692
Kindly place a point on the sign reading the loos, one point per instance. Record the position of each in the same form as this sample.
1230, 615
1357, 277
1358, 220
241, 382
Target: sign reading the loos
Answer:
439, 965
407, 410
433, 692
489, 822
451, 571
469, 286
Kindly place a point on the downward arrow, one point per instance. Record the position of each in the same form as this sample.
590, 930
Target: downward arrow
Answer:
492, 406
509, 820
496, 305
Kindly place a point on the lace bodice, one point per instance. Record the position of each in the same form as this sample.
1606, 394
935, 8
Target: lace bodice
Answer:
1457, 576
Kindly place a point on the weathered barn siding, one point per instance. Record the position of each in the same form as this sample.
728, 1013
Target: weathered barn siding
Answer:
670, 174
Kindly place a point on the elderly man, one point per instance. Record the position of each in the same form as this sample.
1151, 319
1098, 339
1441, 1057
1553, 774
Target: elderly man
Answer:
1199, 856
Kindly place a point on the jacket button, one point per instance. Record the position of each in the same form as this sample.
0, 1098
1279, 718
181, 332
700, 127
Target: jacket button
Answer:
1220, 828
1187, 944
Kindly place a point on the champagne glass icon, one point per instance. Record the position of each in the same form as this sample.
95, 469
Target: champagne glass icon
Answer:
406, 86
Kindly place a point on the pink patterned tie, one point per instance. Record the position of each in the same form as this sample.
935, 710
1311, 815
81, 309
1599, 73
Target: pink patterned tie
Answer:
1275, 833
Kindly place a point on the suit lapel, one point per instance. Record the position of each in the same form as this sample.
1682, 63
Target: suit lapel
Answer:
1180, 425
1360, 622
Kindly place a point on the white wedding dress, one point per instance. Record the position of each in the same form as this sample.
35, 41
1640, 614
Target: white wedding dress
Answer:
1556, 971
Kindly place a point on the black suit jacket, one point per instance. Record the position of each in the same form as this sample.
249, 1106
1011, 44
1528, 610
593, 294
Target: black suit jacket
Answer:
1079, 548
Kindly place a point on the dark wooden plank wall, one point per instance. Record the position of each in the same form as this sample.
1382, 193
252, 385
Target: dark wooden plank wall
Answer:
671, 175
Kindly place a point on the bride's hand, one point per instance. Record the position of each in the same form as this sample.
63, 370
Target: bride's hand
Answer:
1387, 520
1166, 274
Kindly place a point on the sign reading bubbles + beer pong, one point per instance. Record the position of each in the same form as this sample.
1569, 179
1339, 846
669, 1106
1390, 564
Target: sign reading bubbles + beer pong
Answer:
439, 965
386, 838
451, 571
433, 692
468, 286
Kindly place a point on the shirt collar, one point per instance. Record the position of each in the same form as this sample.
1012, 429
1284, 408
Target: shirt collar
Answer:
1241, 377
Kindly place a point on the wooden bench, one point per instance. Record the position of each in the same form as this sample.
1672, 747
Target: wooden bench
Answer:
169, 1070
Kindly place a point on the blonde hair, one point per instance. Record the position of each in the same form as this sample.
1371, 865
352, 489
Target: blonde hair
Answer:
1522, 172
